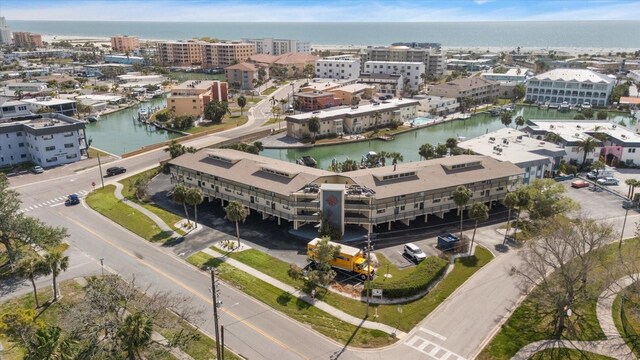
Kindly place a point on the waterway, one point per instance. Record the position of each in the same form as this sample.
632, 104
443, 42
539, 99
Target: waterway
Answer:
408, 143
118, 133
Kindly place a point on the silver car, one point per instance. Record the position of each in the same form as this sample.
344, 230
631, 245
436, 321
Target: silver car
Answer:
608, 181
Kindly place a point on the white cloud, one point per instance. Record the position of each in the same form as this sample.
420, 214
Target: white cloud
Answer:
481, 2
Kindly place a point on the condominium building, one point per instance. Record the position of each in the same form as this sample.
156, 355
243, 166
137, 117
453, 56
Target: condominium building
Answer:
412, 72
513, 75
366, 198
352, 94
432, 57
273, 46
60, 106
478, 89
27, 40
123, 59
315, 100
191, 97
226, 54
338, 67
389, 84
537, 159
573, 86
5, 32
180, 53
125, 43
634, 75
436, 105
615, 143
44, 139
352, 120
244, 75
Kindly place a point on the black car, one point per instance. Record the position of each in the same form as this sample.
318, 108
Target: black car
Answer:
72, 199
115, 170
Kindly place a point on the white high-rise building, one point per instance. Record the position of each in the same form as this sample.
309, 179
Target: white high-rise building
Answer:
273, 46
411, 71
573, 86
5, 32
341, 67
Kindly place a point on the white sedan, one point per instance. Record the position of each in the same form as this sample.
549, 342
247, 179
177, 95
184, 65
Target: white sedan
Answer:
608, 181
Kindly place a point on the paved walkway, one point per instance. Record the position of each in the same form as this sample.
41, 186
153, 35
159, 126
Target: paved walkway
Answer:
614, 346
306, 298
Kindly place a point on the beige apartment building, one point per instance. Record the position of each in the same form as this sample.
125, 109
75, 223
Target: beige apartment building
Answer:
27, 40
191, 97
475, 88
226, 54
180, 53
125, 43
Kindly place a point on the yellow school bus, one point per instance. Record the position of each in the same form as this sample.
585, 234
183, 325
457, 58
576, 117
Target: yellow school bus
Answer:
350, 259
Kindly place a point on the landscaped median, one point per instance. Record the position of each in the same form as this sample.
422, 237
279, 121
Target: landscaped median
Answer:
297, 309
413, 312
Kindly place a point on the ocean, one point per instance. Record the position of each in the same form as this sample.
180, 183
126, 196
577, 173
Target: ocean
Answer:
539, 34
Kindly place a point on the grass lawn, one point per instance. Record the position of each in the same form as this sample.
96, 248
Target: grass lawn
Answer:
568, 354
229, 121
104, 202
299, 310
269, 90
631, 332
272, 121
526, 325
93, 153
184, 76
129, 192
413, 312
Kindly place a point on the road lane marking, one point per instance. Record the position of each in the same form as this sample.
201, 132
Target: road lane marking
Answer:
54, 205
188, 288
433, 333
432, 350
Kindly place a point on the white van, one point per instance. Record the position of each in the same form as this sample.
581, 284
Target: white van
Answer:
414, 253
598, 174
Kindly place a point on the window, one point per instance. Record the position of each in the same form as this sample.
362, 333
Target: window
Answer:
49, 148
52, 159
72, 156
632, 150
436, 200
19, 133
381, 211
70, 133
70, 145
21, 145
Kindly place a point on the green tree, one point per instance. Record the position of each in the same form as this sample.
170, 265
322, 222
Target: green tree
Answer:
510, 201
215, 111
579, 117
632, 183
602, 115
322, 275
141, 185
548, 199
195, 197
506, 118
619, 91
242, 102
427, 151
461, 197
587, 146
395, 157
21, 325
478, 212
314, 127
376, 119
519, 91
349, 165
135, 334
520, 121
176, 149
236, 212
33, 268
49, 343
57, 263
441, 150
180, 195
452, 143
588, 113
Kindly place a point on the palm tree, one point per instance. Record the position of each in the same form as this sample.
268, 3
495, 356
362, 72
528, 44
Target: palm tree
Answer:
427, 151
586, 145
242, 102
32, 269
236, 212
510, 201
461, 197
505, 118
314, 126
194, 198
452, 143
135, 334
48, 343
524, 200
520, 121
376, 118
57, 263
441, 150
180, 195
631, 183
478, 212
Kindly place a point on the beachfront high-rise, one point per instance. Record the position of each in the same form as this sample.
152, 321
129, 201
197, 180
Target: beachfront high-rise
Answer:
432, 57
191, 53
27, 40
5, 32
223, 54
125, 43
273, 46
574, 86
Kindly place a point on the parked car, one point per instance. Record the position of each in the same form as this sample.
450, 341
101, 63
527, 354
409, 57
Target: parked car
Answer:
414, 253
37, 169
72, 199
579, 184
608, 181
115, 170
595, 174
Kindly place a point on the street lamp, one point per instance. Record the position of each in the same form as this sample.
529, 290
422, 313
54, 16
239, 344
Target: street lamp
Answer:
624, 224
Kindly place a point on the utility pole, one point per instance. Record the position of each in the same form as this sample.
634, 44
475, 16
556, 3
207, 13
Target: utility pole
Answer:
624, 224
214, 295
222, 340
368, 273
100, 168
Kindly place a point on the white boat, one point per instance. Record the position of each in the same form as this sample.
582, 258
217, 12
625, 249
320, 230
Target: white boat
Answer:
461, 138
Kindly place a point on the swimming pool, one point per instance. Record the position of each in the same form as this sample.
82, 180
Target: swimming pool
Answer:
419, 121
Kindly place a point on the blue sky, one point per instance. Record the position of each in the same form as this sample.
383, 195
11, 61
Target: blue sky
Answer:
312, 10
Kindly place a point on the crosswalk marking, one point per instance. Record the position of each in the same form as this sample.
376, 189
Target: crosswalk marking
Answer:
432, 350
53, 202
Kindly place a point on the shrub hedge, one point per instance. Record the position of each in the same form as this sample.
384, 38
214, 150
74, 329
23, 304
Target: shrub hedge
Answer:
412, 283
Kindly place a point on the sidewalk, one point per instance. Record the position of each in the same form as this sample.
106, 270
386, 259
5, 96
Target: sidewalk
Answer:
306, 298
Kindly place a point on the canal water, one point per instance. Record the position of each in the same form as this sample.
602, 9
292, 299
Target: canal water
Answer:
119, 133
408, 143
